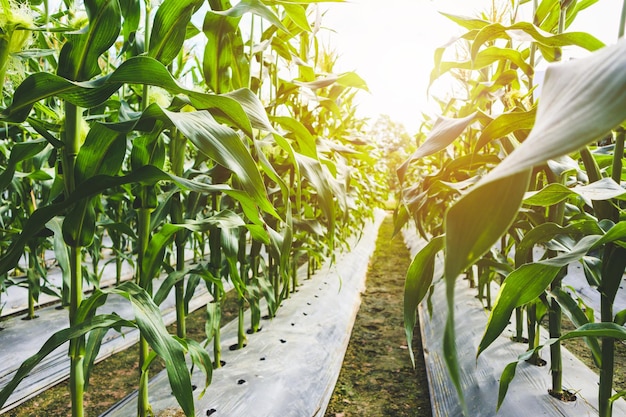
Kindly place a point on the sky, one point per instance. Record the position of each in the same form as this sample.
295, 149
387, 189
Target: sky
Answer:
391, 43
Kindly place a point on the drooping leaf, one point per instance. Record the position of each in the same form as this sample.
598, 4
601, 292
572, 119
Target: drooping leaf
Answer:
56, 340
444, 132
19, 152
477, 220
525, 31
605, 189
525, 284
419, 278
504, 124
256, 7
581, 100
152, 327
505, 380
102, 153
145, 175
224, 146
578, 317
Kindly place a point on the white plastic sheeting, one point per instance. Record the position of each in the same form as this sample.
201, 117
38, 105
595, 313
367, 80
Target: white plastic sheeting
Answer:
290, 367
528, 393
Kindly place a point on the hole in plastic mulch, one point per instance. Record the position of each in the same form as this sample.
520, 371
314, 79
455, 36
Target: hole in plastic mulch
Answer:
236, 346
241, 382
211, 411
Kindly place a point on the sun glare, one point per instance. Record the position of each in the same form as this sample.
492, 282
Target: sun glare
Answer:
391, 45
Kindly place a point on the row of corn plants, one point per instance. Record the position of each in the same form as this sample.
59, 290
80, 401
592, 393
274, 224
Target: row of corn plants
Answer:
163, 129
512, 169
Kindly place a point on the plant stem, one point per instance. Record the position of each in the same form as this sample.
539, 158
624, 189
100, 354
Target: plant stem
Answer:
77, 345
605, 389
177, 157
143, 228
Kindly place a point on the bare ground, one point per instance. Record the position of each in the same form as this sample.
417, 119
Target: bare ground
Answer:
377, 378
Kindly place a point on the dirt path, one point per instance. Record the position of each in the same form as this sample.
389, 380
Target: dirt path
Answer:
377, 378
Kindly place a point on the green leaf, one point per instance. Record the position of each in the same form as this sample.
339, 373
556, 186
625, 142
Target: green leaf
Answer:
578, 317
170, 28
581, 101
419, 278
145, 175
102, 153
20, 151
525, 284
78, 59
57, 339
469, 23
524, 31
504, 124
505, 380
224, 146
304, 138
604, 189
137, 70
602, 329
443, 133
150, 323
479, 219
253, 108
256, 7
297, 14
200, 357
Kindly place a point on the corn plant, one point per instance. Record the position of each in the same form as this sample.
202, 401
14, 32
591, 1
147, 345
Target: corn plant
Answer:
152, 163
498, 196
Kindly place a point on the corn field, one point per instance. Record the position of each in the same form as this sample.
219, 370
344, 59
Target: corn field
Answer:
154, 150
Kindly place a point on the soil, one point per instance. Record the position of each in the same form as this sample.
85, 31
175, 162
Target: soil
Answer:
377, 378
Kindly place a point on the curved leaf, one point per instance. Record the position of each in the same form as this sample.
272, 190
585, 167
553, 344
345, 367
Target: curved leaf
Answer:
78, 59
152, 327
170, 28
604, 189
504, 124
527, 32
56, 340
443, 133
224, 146
419, 278
581, 100
20, 151
525, 284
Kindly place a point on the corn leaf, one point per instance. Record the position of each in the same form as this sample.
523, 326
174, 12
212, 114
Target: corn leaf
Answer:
578, 317
581, 100
57, 339
525, 284
505, 380
78, 59
504, 124
170, 28
225, 147
604, 189
419, 278
524, 31
102, 153
150, 323
20, 151
444, 132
